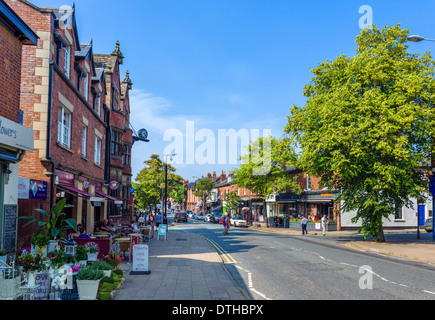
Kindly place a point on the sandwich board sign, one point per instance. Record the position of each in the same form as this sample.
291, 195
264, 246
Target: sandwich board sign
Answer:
163, 230
140, 260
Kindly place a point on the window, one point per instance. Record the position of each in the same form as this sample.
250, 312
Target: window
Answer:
67, 61
126, 156
99, 105
64, 127
84, 135
115, 148
399, 213
308, 182
86, 87
97, 156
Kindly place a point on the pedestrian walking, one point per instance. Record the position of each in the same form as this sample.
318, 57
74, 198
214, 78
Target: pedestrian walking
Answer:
158, 219
304, 223
226, 224
324, 223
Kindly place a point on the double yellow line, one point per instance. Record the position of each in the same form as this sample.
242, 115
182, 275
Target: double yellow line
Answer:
227, 257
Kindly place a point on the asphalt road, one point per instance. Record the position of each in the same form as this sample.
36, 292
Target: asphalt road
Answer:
270, 266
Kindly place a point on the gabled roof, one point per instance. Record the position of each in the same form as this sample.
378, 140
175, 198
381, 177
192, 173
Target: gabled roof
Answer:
16, 25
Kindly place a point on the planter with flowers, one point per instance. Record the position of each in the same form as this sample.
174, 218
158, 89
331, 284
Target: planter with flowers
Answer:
93, 250
88, 282
40, 244
114, 258
32, 264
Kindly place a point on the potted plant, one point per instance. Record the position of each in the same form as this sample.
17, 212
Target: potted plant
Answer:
93, 250
107, 285
81, 255
114, 258
10, 283
88, 281
53, 222
40, 243
103, 266
118, 278
32, 264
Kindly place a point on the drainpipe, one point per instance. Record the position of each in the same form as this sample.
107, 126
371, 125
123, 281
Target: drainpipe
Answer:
49, 121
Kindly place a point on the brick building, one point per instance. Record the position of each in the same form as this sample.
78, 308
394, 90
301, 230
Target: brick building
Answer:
120, 135
67, 102
15, 139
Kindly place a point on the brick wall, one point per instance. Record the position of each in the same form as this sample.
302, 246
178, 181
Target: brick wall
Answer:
10, 66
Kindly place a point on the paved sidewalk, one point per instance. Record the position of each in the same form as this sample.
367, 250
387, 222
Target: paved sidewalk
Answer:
185, 267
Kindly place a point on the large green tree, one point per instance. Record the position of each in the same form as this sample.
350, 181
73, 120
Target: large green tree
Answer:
202, 189
150, 182
367, 126
264, 168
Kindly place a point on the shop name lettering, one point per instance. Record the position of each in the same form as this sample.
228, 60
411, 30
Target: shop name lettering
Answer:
7, 132
220, 309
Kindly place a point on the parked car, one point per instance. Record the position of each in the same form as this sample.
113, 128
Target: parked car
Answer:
207, 217
199, 216
180, 216
428, 225
215, 217
238, 221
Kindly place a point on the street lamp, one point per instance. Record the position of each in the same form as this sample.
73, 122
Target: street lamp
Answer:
165, 219
417, 38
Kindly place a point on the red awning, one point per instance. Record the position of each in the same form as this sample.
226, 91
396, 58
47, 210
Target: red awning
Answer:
116, 200
75, 190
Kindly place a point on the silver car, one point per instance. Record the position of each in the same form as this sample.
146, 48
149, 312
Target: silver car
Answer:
238, 222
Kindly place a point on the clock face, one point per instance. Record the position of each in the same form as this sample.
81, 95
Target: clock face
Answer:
143, 133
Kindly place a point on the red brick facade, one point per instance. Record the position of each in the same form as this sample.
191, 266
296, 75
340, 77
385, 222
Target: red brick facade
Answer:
68, 101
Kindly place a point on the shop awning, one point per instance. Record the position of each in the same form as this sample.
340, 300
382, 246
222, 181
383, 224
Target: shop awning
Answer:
116, 200
75, 190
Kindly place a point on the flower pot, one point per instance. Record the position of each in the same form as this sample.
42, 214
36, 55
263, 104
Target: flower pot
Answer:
88, 289
92, 256
31, 278
107, 273
114, 263
10, 288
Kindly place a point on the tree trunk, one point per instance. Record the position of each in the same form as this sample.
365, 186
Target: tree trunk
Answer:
380, 237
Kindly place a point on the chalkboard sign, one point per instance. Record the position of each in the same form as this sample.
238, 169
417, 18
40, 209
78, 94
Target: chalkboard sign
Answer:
10, 227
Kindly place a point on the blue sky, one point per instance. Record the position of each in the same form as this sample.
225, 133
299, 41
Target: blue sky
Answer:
238, 64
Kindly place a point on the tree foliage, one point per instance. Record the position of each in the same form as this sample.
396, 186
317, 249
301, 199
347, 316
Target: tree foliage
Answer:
150, 182
276, 178
203, 188
367, 126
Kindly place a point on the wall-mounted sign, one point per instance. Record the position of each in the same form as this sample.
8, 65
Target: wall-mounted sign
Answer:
114, 185
32, 189
15, 135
